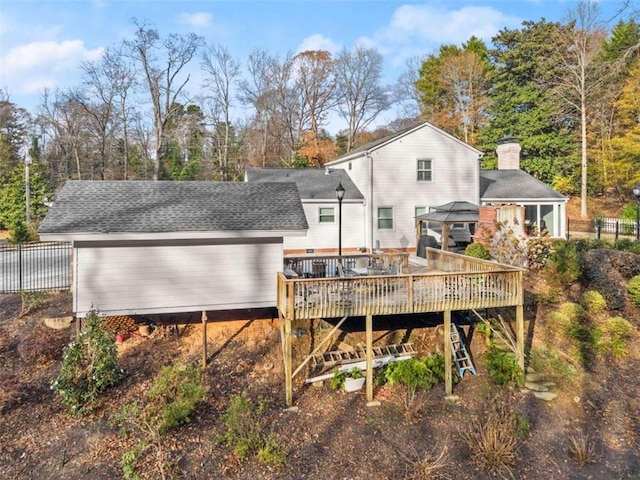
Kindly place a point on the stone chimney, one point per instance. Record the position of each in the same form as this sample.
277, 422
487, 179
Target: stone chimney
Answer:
508, 153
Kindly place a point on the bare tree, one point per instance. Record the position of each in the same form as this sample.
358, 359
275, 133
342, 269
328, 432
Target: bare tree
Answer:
162, 61
579, 73
223, 73
405, 91
361, 96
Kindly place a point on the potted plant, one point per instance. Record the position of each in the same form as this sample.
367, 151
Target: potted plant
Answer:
349, 381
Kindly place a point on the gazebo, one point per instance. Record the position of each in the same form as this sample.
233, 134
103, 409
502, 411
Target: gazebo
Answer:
448, 214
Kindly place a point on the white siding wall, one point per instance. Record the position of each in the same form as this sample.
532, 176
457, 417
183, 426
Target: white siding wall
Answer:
456, 172
325, 235
164, 279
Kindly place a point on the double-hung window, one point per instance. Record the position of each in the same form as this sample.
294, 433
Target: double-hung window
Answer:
425, 172
326, 215
385, 218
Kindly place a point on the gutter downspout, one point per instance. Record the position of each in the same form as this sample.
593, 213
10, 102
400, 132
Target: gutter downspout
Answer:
370, 158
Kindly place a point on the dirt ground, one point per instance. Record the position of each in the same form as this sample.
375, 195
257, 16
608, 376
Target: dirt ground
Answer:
330, 435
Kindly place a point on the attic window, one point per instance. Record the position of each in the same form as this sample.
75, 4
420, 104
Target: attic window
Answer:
424, 170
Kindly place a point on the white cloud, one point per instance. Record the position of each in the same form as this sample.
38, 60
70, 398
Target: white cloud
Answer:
198, 19
29, 67
319, 42
421, 28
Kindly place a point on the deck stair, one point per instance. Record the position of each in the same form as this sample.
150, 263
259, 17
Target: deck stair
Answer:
460, 354
340, 357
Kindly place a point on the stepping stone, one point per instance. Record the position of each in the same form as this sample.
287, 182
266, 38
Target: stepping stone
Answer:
536, 387
59, 323
549, 384
534, 377
546, 396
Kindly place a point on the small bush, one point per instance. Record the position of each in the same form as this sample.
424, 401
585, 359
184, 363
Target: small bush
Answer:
633, 288
564, 265
426, 466
503, 368
245, 431
19, 233
581, 449
547, 361
416, 375
574, 311
493, 440
174, 396
31, 301
477, 250
89, 366
42, 345
593, 301
615, 336
557, 322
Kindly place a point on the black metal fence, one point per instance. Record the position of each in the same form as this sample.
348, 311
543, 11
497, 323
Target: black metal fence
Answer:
35, 266
612, 228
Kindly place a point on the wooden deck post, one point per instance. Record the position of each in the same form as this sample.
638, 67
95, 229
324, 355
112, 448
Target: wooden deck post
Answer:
288, 377
204, 339
520, 337
448, 359
369, 342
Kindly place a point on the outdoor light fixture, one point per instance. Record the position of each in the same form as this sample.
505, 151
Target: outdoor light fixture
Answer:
340, 196
636, 192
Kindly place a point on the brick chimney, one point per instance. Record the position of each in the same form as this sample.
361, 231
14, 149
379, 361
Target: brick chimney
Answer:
508, 153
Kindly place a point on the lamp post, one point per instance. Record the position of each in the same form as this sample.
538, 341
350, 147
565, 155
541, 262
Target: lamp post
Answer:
636, 192
340, 196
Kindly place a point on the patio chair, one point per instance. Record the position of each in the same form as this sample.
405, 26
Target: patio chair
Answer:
362, 262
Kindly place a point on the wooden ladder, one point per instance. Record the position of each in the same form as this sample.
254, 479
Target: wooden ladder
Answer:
460, 354
336, 357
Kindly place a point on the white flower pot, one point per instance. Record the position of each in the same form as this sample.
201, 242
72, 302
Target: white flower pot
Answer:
353, 384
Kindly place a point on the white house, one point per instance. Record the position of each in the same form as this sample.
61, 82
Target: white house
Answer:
167, 247
391, 181
317, 189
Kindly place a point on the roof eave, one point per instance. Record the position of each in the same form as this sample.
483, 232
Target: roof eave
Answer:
115, 236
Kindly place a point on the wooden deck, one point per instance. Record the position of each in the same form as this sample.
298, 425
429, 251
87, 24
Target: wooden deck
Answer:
447, 282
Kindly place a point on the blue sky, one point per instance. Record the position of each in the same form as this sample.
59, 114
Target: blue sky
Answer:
42, 42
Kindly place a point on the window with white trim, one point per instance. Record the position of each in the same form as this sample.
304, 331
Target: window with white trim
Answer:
385, 218
425, 172
326, 215
421, 211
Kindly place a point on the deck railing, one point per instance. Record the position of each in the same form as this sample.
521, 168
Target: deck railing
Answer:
449, 284
318, 266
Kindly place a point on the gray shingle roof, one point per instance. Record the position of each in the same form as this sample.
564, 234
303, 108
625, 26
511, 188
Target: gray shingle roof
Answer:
514, 185
84, 206
313, 183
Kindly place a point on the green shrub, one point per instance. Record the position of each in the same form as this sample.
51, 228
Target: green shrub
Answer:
564, 264
420, 373
503, 368
593, 301
89, 366
547, 361
174, 396
19, 233
615, 336
245, 431
574, 311
633, 288
415, 375
557, 322
477, 250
